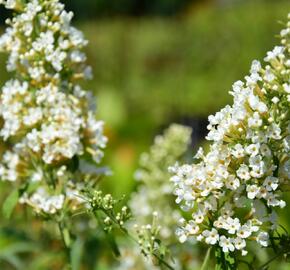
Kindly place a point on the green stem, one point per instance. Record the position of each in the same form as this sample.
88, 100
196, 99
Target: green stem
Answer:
124, 231
271, 260
163, 262
66, 245
206, 259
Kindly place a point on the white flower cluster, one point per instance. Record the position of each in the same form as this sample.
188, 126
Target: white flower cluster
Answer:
152, 205
154, 192
233, 189
48, 125
43, 46
42, 201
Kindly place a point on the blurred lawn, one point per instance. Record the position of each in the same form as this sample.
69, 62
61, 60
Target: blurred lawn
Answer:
150, 72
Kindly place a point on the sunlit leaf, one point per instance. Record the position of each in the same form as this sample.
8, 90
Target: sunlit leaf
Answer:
10, 203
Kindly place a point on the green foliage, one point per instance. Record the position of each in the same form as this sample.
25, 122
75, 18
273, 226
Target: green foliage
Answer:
10, 203
224, 261
76, 254
198, 57
11, 252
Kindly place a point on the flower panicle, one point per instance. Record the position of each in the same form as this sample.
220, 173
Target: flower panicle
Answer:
232, 191
49, 132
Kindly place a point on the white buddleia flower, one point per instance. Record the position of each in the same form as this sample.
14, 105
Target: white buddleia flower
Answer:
47, 118
247, 164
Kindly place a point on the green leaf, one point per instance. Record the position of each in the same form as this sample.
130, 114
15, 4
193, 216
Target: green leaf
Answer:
12, 260
113, 244
206, 261
10, 203
66, 237
76, 254
9, 253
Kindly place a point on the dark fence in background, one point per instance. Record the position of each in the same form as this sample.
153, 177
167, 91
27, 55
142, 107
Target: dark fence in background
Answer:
92, 9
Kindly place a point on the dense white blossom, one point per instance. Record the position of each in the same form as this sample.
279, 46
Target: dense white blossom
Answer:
42, 201
232, 190
48, 124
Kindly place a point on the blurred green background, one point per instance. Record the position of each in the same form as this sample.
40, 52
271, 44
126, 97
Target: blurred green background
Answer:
157, 62
162, 61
